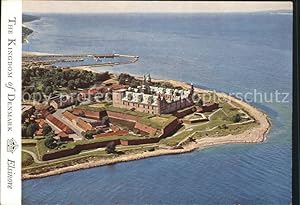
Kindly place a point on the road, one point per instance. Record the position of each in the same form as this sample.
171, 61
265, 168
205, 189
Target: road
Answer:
35, 158
58, 114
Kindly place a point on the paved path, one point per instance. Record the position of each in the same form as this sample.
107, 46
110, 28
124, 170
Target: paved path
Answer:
35, 158
187, 127
58, 114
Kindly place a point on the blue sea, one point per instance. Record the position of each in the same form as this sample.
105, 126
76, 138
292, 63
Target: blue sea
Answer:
233, 53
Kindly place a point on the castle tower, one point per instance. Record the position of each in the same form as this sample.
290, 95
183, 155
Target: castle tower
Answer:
147, 79
159, 104
192, 89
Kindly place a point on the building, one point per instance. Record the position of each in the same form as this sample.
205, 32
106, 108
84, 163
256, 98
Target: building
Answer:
207, 107
80, 123
41, 123
59, 125
63, 101
27, 109
153, 100
62, 136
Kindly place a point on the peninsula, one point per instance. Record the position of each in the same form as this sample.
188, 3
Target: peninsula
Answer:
25, 30
74, 118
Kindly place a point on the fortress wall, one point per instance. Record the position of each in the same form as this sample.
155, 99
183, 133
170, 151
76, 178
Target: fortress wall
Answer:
170, 128
145, 128
77, 149
139, 141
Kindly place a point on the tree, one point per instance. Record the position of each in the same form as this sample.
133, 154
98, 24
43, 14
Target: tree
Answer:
71, 84
24, 131
110, 147
223, 126
88, 135
237, 118
46, 129
48, 90
31, 129
105, 121
50, 142
37, 96
24, 116
102, 76
77, 83
134, 83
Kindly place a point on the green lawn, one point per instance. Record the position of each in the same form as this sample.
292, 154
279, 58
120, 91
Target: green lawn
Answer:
174, 140
42, 149
203, 129
154, 121
28, 141
26, 159
29, 148
85, 157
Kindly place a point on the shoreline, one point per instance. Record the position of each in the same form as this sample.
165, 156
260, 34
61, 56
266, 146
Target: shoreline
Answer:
254, 135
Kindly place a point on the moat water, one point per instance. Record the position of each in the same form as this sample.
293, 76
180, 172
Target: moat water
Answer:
226, 52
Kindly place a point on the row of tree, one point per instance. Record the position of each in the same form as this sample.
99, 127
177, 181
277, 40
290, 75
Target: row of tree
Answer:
126, 79
29, 130
48, 80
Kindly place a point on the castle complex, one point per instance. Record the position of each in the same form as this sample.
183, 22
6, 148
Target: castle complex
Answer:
151, 99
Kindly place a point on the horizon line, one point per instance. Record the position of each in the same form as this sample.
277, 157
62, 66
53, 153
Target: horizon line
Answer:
154, 6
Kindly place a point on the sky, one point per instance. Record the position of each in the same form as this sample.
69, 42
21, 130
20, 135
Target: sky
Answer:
44, 6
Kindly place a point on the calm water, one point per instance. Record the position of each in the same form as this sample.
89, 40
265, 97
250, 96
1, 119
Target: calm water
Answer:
227, 52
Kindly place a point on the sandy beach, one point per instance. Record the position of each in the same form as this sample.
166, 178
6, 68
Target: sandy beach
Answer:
28, 53
253, 135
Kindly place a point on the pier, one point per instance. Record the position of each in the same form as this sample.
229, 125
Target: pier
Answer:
63, 58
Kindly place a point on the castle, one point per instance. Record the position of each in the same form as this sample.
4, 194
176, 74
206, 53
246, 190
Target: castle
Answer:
152, 99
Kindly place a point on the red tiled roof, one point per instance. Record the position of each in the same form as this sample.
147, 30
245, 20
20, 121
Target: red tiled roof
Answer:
62, 134
41, 122
77, 111
84, 125
69, 115
108, 134
45, 113
86, 113
59, 124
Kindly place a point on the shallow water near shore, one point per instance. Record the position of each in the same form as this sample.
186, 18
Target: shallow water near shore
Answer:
225, 52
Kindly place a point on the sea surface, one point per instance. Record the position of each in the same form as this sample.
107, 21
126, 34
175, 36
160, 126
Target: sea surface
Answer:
233, 53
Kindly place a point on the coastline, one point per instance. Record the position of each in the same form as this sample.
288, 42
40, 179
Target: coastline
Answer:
30, 53
253, 135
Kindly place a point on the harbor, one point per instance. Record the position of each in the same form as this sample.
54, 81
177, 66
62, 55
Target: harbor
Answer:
61, 61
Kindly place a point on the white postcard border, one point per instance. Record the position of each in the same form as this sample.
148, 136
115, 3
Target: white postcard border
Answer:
11, 48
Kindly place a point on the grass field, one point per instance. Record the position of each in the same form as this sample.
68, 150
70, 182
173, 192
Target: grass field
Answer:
220, 124
42, 149
26, 159
154, 121
85, 157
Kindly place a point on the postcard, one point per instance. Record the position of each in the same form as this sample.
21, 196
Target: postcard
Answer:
146, 102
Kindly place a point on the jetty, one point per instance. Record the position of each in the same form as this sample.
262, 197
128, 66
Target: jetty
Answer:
100, 59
